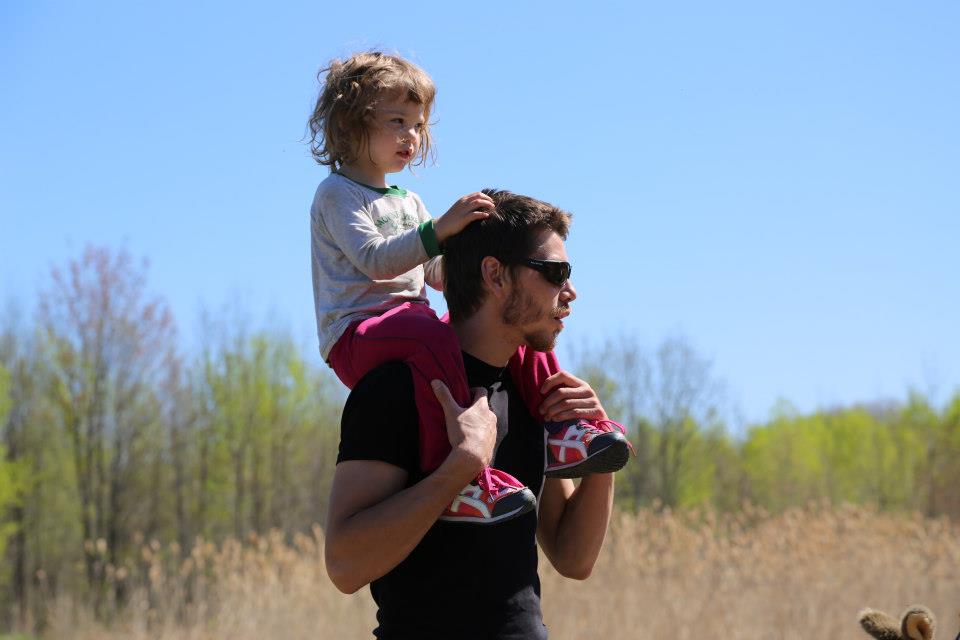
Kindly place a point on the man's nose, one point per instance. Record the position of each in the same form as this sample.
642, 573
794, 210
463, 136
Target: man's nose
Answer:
568, 292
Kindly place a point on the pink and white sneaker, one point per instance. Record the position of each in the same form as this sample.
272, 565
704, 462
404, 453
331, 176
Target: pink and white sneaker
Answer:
493, 496
580, 447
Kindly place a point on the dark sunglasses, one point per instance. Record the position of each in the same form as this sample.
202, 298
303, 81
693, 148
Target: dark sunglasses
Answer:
554, 271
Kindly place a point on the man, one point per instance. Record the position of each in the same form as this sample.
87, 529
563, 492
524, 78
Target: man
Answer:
434, 579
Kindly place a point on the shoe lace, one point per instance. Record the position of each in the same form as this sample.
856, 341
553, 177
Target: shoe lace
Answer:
611, 425
608, 425
490, 482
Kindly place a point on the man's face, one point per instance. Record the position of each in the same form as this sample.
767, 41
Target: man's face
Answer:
535, 306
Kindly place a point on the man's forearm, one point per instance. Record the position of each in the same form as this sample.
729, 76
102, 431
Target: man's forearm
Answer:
365, 545
583, 525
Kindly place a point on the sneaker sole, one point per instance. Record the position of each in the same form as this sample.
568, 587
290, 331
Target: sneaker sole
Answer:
529, 504
607, 460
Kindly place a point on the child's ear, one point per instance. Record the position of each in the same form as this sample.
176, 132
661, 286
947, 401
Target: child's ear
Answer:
918, 623
879, 625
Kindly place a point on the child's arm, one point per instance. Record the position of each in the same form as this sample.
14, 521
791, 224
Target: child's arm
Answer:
474, 206
350, 227
379, 258
433, 273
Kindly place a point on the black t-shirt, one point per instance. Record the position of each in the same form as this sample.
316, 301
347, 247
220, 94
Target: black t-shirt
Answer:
463, 581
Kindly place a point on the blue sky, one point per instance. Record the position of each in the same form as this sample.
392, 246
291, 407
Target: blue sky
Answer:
777, 183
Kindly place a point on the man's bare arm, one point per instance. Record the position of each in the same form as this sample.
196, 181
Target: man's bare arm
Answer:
374, 523
573, 522
573, 519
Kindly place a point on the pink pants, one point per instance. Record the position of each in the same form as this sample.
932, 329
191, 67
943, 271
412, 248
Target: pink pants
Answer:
412, 333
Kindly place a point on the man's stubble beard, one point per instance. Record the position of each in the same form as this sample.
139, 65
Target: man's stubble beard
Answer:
520, 309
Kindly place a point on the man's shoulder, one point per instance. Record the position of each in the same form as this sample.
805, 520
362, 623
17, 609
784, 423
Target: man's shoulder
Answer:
379, 419
384, 394
381, 380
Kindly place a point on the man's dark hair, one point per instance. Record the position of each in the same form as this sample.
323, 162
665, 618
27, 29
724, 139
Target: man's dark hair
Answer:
508, 234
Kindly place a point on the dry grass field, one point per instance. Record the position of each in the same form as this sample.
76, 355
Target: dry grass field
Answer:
802, 574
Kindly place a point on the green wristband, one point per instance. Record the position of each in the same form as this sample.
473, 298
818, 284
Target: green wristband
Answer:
428, 236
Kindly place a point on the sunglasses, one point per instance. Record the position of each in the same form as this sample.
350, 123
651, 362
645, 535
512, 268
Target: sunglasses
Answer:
554, 271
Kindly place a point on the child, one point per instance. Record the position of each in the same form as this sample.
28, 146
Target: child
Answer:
374, 246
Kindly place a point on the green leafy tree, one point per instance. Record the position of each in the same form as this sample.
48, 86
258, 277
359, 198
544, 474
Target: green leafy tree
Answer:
45, 541
863, 455
10, 473
936, 455
270, 443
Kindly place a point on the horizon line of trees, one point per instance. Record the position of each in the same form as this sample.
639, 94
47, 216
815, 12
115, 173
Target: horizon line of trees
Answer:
111, 437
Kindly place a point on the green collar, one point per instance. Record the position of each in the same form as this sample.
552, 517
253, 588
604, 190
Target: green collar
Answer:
392, 190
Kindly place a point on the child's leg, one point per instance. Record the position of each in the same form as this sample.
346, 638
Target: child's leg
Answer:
529, 370
410, 332
575, 447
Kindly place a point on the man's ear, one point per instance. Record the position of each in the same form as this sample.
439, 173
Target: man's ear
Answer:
496, 277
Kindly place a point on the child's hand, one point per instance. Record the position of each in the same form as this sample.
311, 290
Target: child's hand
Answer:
569, 398
475, 206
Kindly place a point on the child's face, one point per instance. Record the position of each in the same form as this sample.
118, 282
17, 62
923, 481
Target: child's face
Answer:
394, 135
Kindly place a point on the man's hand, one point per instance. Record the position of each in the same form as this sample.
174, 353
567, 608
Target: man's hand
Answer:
375, 520
570, 399
475, 206
472, 430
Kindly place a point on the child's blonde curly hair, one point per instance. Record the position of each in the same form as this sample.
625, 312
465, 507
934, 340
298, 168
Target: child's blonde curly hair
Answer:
339, 126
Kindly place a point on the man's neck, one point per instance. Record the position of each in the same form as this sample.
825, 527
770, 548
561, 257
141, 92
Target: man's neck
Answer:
486, 339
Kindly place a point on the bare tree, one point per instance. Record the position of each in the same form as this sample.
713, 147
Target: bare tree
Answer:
681, 397
179, 417
666, 398
617, 371
108, 345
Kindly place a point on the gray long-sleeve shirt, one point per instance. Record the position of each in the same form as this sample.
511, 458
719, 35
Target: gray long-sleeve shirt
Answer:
367, 254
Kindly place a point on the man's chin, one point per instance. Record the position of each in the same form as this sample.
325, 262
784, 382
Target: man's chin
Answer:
541, 341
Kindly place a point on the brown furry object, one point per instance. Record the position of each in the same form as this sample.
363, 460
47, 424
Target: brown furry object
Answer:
916, 623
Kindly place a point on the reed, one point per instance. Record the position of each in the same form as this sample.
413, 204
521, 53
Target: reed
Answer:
804, 573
